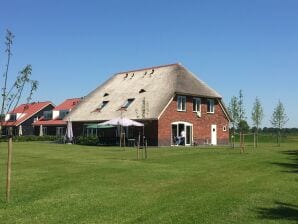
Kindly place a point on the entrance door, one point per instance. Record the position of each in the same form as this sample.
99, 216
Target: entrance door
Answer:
213, 134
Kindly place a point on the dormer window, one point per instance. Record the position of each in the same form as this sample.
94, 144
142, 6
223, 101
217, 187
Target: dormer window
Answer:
181, 103
210, 106
127, 103
12, 117
63, 113
102, 104
47, 115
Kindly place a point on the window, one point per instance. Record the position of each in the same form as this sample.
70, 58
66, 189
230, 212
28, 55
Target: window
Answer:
210, 105
47, 115
12, 117
60, 131
63, 113
127, 103
224, 128
102, 105
196, 104
181, 103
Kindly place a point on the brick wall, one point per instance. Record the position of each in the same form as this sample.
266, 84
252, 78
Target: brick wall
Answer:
201, 126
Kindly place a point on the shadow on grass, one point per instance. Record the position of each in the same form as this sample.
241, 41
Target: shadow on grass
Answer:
281, 211
292, 165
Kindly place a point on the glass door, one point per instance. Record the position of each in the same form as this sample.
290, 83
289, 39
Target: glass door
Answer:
181, 133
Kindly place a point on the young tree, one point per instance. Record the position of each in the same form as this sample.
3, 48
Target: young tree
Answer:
241, 117
279, 119
11, 98
257, 116
234, 113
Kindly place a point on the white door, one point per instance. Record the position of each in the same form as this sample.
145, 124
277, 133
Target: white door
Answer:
213, 134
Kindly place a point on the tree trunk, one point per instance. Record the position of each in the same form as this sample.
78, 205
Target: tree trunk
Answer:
9, 159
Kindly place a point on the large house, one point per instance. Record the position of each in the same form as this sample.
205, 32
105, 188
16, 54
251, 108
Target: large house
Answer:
51, 123
22, 117
169, 100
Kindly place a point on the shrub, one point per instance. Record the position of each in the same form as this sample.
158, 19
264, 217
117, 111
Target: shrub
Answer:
90, 140
30, 138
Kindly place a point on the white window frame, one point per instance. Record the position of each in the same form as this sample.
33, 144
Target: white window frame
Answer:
224, 128
211, 102
198, 105
178, 134
180, 105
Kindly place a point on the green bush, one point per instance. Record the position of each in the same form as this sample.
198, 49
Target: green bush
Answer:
30, 138
90, 140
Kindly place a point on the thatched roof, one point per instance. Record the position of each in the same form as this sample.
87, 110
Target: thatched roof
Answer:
151, 88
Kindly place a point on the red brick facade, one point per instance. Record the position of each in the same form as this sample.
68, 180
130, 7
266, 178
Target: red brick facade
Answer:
201, 125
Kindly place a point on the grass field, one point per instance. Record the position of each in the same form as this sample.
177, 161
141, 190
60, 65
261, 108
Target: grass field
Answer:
54, 183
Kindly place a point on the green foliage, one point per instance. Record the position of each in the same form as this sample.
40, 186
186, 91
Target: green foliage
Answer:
11, 96
56, 183
257, 113
279, 116
234, 110
30, 138
243, 126
87, 140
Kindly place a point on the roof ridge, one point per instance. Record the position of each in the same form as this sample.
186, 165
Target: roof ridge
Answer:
148, 68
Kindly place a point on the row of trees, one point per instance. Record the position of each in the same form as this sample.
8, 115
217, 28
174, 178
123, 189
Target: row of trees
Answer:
237, 112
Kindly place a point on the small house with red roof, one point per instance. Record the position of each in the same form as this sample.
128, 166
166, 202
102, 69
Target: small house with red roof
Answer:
52, 120
22, 117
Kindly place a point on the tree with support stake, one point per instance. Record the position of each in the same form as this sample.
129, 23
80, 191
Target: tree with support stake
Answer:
257, 116
279, 119
11, 98
234, 113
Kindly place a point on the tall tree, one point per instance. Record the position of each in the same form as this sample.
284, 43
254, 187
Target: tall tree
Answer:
241, 106
234, 113
11, 98
257, 116
279, 119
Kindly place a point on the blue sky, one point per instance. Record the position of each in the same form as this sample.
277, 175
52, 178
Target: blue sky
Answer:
74, 45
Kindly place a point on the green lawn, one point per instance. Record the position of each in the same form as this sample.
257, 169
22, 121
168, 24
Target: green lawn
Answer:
54, 183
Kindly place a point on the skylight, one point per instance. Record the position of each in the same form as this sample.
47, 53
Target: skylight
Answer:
102, 105
127, 103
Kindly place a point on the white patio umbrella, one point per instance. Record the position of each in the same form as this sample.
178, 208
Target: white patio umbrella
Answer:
125, 122
40, 130
69, 132
20, 130
122, 122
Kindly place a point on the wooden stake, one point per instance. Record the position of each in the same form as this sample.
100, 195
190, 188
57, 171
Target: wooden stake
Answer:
9, 159
146, 149
138, 148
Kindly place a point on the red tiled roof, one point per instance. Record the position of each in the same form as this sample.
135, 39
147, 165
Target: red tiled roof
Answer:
67, 104
28, 110
49, 122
